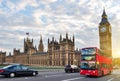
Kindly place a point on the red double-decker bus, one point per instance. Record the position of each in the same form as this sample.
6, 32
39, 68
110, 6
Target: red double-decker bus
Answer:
94, 62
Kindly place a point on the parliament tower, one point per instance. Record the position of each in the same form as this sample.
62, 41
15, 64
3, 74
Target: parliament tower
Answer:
105, 35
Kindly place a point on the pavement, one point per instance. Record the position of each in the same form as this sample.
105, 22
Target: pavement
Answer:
116, 71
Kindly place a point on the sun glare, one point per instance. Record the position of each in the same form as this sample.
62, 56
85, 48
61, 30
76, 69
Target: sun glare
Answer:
117, 54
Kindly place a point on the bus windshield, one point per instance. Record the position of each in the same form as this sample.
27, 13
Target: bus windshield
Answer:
88, 65
88, 51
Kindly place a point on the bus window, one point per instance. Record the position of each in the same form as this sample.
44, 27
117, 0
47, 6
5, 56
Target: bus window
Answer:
92, 65
88, 51
88, 57
84, 65
88, 65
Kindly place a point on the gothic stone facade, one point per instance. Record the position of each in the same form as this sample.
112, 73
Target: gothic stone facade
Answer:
2, 57
59, 53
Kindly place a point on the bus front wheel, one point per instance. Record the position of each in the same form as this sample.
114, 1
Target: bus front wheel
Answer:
102, 73
109, 72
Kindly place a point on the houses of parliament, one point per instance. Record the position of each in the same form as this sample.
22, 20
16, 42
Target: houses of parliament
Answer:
60, 52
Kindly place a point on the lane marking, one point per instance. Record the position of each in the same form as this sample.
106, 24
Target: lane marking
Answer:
57, 75
26, 77
50, 72
53, 75
111, 79
73, 79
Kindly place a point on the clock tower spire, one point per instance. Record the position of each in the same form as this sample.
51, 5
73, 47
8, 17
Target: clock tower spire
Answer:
104, 18
105, 35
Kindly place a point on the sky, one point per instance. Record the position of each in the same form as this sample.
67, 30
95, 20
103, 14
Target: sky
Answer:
50, 18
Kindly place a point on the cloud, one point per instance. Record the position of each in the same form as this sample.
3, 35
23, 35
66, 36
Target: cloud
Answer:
54, 17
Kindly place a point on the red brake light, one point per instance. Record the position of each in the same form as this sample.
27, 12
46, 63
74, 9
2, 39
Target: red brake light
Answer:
1, 70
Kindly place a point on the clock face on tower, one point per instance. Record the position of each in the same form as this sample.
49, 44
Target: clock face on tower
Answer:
103, 29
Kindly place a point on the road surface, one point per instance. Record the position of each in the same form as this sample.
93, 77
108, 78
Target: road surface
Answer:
62, 76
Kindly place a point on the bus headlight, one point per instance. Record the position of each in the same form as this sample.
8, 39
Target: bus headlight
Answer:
93, 71
81, 70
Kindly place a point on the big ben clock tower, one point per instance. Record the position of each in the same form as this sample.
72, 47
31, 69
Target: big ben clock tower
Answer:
105, 35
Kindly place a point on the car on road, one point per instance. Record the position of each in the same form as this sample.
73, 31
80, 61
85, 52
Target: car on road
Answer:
71, 68
17, 70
